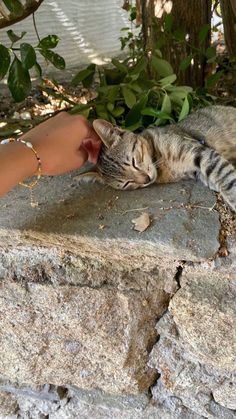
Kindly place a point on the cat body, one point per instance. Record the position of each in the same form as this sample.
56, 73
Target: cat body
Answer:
202, 146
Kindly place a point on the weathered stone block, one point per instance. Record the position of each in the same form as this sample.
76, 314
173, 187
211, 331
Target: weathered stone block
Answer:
204, 311
195, 354
8, 405
67, 335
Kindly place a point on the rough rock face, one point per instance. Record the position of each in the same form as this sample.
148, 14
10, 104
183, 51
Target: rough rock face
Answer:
98, 320
196, 352
87, 337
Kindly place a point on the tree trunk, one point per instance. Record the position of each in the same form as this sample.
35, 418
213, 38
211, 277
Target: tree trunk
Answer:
189, 16
228, 10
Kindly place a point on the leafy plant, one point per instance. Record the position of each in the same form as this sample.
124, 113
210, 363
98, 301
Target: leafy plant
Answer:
132, 36
128, 97
132, 96
17, 63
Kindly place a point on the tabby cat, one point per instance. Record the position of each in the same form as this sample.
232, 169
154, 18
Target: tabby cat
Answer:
203, 146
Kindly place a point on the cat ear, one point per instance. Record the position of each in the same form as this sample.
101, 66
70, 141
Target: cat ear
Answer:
108, 133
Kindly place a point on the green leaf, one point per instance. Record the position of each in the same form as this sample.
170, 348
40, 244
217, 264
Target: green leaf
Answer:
167, 80
118, 111
203, 33
146, 84
181, 89
158, 53
121, 67
110, 106
150, 112
211, 54
185, 63
13, 37
179, 35
38, 69
168, 22
5, 60
214, 78
140, 66
177, 98
135, 126
185, 110
14, 6
134, 115
85, 113
102, 112
84, 76
187, 89
109, 92
19, 81
54, 58
48, 42
166, 105
163, 117
179, 93
136, 87
113, 92
162, 67
28, 56
80, 108
129, 96
113, 76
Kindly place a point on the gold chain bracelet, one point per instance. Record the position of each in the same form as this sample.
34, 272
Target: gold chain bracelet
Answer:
38, 172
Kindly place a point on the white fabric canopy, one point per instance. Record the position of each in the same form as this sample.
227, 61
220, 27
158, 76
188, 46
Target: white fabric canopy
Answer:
89, 30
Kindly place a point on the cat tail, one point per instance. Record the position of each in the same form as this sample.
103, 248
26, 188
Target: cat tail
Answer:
217, 173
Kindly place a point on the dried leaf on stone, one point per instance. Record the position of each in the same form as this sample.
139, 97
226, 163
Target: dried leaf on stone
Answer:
142, 222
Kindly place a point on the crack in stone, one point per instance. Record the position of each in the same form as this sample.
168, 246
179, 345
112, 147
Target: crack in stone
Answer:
177, 277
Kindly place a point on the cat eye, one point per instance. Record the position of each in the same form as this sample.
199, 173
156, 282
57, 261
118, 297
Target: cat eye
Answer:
134, 164
142, 151
127, 183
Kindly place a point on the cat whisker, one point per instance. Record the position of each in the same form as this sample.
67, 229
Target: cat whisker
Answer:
157, 163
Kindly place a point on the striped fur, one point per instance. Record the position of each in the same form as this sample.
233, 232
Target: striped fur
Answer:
203, 146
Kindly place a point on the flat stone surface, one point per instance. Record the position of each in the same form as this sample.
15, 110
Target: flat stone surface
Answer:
98, 219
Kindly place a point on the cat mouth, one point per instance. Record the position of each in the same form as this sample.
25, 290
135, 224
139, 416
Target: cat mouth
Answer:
150, 182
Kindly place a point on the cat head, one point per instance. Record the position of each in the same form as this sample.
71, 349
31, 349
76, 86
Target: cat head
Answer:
126, 159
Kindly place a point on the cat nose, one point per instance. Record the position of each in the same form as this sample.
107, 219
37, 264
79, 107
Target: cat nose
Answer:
147, 179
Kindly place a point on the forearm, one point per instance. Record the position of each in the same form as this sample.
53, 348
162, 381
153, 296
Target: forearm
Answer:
17, 162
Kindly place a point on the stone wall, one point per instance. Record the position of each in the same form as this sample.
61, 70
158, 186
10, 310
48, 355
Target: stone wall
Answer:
99, 320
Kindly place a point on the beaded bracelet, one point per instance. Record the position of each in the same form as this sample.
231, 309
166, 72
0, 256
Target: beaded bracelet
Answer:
38, 173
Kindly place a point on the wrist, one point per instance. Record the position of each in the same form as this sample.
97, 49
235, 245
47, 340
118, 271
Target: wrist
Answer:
26, 163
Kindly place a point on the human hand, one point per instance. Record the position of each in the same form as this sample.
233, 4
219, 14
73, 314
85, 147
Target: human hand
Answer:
63, 143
